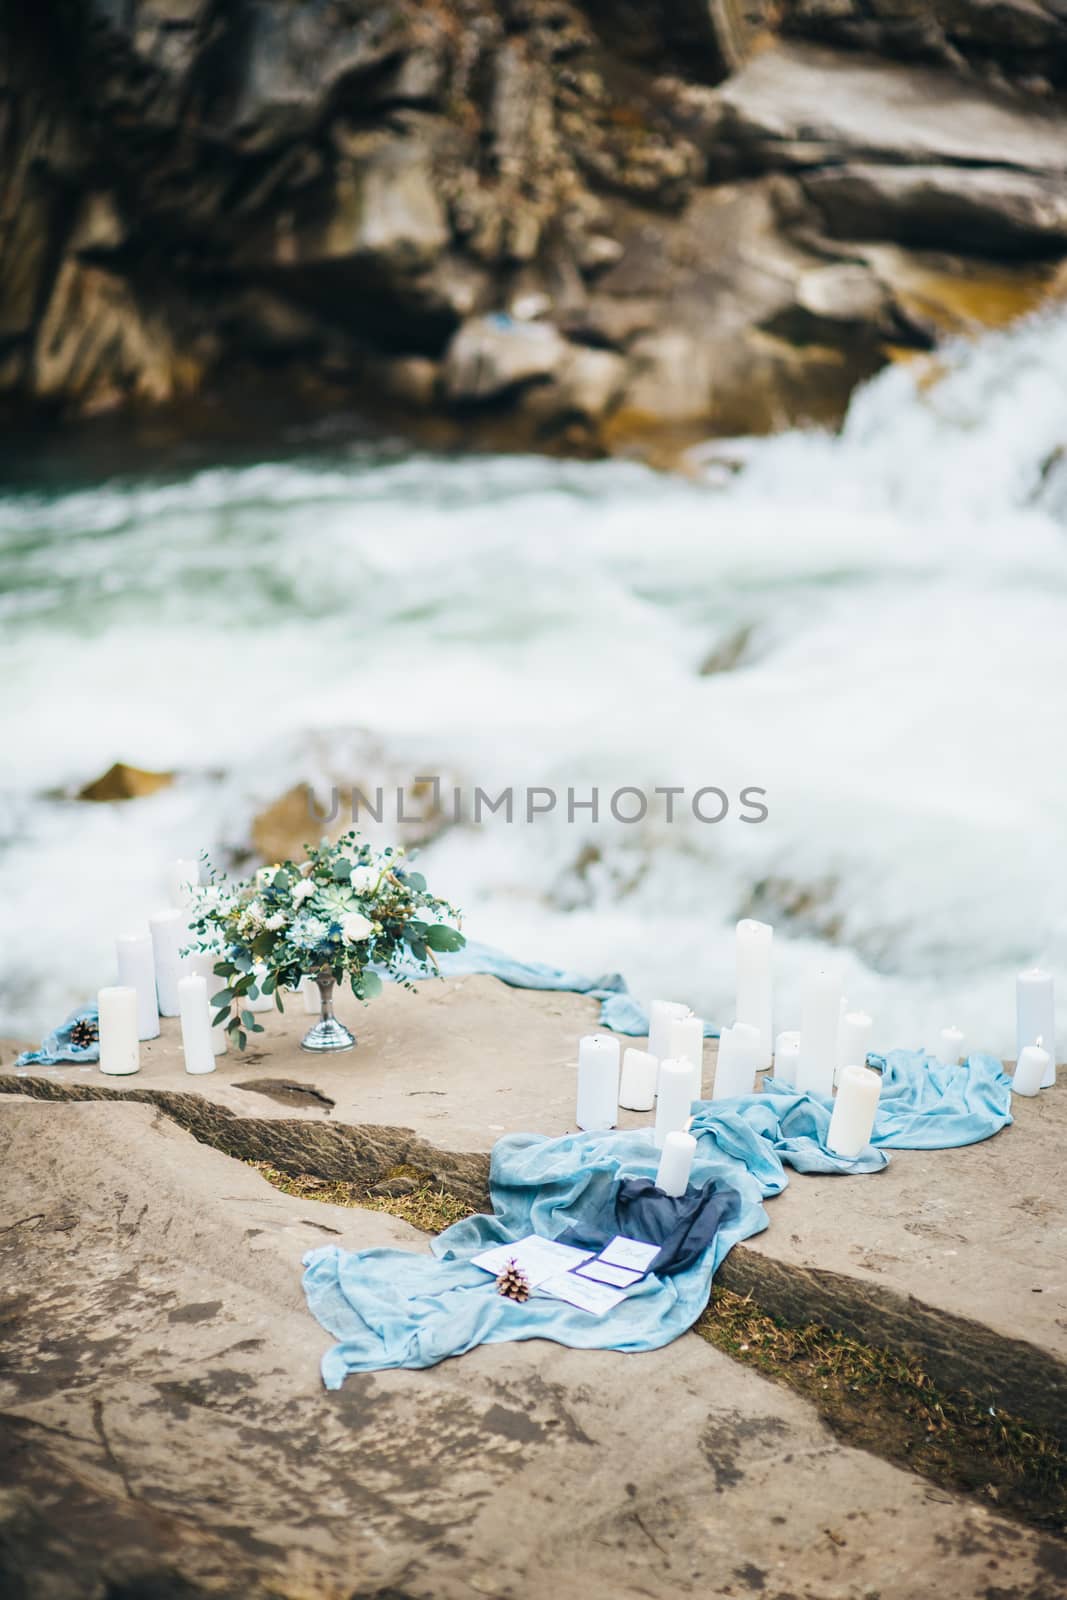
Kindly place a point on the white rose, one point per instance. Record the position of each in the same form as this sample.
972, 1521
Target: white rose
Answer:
363, 879
255, 910
276, 922
302, 891
356, 927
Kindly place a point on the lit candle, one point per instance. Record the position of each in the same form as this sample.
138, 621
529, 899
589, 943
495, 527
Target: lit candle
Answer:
949, 1046
853, 1040
637, 1091
674, 1105
202, 963
182, 878
736, 1063
1035, 1016
196, 1024
676, 1163
786, 1055
820, 1018
137, 970
598, 1082
262, 1002
1031, 1069
661, 1013
170, 932
685, 1042
754, 949
120, 1053
854, 1111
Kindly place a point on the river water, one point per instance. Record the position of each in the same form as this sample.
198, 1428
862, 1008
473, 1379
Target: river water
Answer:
897, 594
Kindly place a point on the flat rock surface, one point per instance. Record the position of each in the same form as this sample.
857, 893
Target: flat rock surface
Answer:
975, 1233
165, 1431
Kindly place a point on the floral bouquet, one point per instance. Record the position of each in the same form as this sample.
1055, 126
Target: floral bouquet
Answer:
334, 917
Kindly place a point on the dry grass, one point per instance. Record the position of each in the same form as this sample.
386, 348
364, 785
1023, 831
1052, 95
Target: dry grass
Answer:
874, 1399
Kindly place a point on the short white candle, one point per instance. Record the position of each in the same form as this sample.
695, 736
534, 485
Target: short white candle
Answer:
203, 964
170, 932
755, 942
949, 1046
685, 1042
312, 998
598, 1082
262, 1002
196, 1024
820, 1018
137, 970
674, 1103
786, 1056
736, 1063
637, 1089
1035, 1016
853, 1040
1030, 1069
120, 1053
182, 878
854, 1111
661, 1013
676, 1163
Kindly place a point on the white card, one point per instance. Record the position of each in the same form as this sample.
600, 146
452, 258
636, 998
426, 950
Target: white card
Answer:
634, 1253
593, 1297
537, 1258
604, 1272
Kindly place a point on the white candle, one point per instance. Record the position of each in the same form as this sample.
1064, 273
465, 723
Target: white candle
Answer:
598, 1082
736, 1063
262, 1002
196, 1024
120, 1053
137, 970
853, 1040
1030, 1069
676, 1163
182, 878
202, 963
786, 1055
949, 1046
312, 998
674, 1104
754, 949
820, 1017
637, 1091
1035, 1016
685, 1042
854, 1111
170, 931
661, 1013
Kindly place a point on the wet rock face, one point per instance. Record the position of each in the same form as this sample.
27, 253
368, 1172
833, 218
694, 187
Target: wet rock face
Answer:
591, 220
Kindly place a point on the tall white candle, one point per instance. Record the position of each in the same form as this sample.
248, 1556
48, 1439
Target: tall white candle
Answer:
661, 1013
312, 998
685, 1042
637, 1090
598, 1082
170, 931
1030, 1069
755, 942
854, 1111
1035, 1016
674, 1103
120, 1053
182, 878
196, 1024
137, 970
676, 1163
202, 963
786, 1055
853, 1040
820, 1017
262, 1002
949, 1046
736, 1063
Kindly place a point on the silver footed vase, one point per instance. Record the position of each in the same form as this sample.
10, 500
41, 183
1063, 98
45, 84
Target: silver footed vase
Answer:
328, 1033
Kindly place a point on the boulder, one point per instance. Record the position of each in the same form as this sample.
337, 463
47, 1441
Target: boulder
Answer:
495, 355
385, 205
121, 782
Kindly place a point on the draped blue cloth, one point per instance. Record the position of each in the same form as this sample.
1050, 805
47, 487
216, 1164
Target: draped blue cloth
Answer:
394, 1308
59, 1046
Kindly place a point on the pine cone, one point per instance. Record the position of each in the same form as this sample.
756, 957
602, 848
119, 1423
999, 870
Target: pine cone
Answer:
83, 1034
513, 1283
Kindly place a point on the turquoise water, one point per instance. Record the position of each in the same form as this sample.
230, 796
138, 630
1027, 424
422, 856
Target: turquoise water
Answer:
516, 621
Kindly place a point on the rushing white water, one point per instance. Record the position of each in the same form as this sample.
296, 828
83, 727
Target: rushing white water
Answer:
525, 621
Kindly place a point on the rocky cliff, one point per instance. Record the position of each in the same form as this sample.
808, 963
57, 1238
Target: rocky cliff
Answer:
572, 223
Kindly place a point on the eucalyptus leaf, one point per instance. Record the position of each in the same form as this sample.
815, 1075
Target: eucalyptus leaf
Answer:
223, 998
442, 938
370, 984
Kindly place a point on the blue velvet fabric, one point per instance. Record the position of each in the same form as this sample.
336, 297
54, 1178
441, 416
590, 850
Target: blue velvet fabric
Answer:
393, 1308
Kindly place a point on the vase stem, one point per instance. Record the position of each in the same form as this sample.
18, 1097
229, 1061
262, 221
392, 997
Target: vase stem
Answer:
328, 1033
